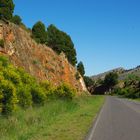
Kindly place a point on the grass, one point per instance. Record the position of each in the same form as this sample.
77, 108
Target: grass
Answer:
138, 99
57, 120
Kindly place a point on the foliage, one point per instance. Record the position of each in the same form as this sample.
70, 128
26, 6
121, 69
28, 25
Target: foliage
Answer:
17, 20
4, 62
65, 91
131, 87
39, 33
111, 79
54, 38
12, 76
24, 96
47, 88
6, 9
2, 43
18, 88
59, 41
8, 96
81, 69
88, 81
38, 95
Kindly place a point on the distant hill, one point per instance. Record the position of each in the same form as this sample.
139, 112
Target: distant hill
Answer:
102, 75
135, 71
121, 71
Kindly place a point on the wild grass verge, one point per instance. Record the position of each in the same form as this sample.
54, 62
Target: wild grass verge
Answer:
56, 120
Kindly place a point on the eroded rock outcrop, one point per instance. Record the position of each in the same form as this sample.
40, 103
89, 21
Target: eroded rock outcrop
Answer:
39, 60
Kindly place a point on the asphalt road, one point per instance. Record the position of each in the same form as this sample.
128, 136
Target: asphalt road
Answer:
119, 119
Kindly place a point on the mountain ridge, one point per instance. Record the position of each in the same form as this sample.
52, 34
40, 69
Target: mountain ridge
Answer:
120, 71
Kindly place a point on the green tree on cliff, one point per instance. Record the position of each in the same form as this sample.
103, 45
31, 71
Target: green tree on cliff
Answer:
16, 19
81, 69
39, 33
6, 9
59, 41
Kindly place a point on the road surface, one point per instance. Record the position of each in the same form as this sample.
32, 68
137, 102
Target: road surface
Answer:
119, 119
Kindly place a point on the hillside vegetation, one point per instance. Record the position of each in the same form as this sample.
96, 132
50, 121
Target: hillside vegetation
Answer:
18, 88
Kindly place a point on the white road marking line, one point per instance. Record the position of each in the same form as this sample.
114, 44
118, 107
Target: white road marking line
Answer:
95, 125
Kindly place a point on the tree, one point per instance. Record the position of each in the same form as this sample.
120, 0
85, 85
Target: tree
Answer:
6, 9
81, 69
88, 81
39, 33
111, 79
59, 41
17, 19
54, 38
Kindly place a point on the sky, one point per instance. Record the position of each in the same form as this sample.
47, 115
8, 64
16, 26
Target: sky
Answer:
106, 33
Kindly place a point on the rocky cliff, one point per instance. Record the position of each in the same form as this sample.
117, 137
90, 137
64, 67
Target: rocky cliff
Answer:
39, 60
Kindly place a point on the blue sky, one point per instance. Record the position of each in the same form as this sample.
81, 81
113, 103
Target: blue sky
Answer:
106, 33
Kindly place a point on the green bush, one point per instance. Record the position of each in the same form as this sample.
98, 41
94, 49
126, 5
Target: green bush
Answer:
38, 96
19, 88
11, 75
24, 96
2, 43
65, 91
47, 88
8, 98
4, 61
25, 77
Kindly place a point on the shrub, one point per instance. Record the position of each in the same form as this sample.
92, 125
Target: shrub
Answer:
47, 88
24, 96
4, 61
2, 43
8, 97
65, 91
38, 96
25, 77
9, 74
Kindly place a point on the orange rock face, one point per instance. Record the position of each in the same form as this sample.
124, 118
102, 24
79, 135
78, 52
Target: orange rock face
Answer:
38, 60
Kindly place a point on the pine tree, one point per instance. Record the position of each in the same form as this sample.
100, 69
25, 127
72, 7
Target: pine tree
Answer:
39, 33
6, 9
81, 69
17, 20
59, 41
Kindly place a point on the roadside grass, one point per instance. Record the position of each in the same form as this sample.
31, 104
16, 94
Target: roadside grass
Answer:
57, 120
137, 100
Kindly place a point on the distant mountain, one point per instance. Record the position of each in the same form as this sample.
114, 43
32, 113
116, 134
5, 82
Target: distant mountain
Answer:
102, 75
121, 72
135, 71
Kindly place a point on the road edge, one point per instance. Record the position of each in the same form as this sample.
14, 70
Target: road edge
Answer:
94, 123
